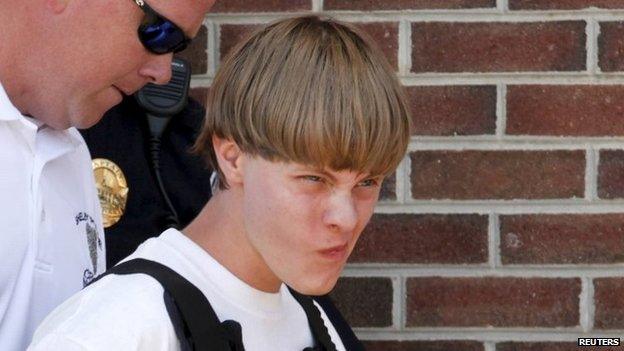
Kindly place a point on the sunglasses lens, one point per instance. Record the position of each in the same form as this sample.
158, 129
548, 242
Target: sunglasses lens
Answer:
162, 37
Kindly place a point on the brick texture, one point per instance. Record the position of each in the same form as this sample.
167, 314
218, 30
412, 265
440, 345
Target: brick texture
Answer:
384, 35
199, 94
261, 5
458, 52
498, 302
232, 34
498, 47
609, 300
563, 4
611, 174
351, 294
374, 5
497, 174
196, 53
611, 46
565, 110
388, 188
551, 346
453, 110
409, 238
562, 239
444, 345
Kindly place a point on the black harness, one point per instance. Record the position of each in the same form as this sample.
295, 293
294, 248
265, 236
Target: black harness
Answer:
196, 324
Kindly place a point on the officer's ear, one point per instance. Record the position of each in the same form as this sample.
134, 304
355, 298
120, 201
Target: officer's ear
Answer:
230, 159
57, 6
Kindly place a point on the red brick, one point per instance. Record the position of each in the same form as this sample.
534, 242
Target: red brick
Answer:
611, 46
497, 302
262, 5
199, 94
416, 238
498, 47
232, 34
386, 36
563, 4
388, 188
196, 54
372, 5
611, 174
565, 110
609, 300
550, 346
507, 175
440, 345
350, 294
453, 110
562, 239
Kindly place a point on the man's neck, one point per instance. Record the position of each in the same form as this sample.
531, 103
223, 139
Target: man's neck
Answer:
219, 229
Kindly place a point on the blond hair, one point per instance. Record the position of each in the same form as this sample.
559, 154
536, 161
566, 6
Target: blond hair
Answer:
312, 91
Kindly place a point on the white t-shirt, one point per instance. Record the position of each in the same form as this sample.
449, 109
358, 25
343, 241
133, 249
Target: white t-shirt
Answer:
127, 312
51, 236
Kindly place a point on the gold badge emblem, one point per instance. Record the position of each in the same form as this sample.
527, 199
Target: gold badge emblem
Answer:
112, 190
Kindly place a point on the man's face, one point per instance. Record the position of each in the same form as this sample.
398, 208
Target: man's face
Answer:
304, 222
102, 58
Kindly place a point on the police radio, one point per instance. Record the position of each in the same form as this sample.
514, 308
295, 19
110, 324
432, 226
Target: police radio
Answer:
161, 103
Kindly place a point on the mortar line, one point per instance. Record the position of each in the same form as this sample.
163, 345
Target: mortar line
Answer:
591, 174
591, 46
399, 184
474, 271
494, 249
501, 110
317, 5
211, 49
486, 335
405, 47
578, 207
398, 304
502, 6
407, 179
466, 16
584, 304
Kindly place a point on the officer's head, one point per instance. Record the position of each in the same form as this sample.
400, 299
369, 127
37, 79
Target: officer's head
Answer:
305, 118
66, 62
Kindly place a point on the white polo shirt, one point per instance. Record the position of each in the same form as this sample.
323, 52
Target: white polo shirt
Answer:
51, 235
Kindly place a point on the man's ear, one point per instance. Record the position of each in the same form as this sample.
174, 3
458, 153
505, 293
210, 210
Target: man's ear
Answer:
230, 159
57, 6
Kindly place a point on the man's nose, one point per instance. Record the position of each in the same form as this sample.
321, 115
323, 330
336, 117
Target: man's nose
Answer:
157, 69
341, 213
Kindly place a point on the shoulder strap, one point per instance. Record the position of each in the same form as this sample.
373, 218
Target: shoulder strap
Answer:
319, 330
198, 316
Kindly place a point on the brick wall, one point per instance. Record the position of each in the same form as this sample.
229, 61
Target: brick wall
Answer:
503, 228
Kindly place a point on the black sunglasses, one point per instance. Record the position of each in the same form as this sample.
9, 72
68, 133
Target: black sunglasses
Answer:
158, 34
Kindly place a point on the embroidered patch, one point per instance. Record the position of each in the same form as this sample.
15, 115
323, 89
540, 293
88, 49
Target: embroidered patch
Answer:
93, 240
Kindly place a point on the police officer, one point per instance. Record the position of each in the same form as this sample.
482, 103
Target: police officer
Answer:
133, 205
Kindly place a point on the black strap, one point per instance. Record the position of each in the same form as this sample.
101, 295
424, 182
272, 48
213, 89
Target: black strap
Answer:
202, 328
197, 314
319, 330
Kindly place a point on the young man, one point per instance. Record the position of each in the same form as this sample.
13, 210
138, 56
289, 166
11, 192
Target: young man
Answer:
63, 63
304, 121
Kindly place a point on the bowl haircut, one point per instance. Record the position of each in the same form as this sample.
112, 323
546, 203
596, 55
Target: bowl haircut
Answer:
309, 90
